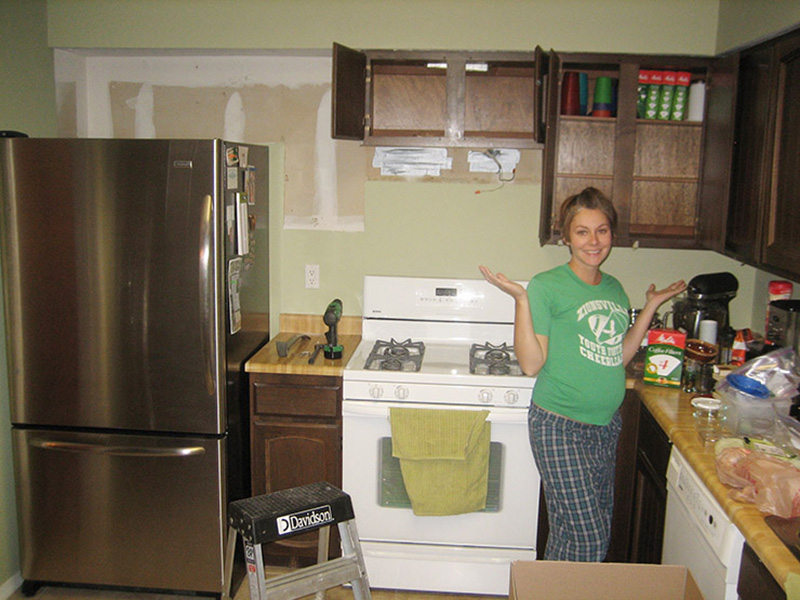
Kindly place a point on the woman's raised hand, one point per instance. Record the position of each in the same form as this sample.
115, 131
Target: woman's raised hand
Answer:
658, 297
503, 283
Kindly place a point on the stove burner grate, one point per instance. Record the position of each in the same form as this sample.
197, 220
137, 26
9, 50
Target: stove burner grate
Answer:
487, 359
395, 356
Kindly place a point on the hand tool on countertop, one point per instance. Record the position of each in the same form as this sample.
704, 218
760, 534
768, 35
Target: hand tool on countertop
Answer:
283, 347
317, 348
331, 318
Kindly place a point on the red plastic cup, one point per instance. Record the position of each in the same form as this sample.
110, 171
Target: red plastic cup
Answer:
570, 94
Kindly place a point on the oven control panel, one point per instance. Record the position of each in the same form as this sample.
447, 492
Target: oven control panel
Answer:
512, 397
460, 300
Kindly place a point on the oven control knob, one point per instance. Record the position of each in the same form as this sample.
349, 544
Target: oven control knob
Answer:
401, 392
376, 391
512, 397
485, 396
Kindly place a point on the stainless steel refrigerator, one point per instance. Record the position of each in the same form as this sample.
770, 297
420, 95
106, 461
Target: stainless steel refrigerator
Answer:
135, 280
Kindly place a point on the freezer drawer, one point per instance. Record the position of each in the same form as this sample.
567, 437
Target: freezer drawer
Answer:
120, 510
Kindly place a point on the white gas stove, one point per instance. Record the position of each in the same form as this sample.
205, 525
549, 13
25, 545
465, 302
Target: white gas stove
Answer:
437, 340
438, 344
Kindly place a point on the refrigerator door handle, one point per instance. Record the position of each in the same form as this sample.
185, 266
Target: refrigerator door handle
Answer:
116, 450
208, 292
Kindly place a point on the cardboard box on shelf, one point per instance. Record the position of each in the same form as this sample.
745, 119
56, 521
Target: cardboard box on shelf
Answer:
680, 99
656, 78
642, 92
549, 580
666, 95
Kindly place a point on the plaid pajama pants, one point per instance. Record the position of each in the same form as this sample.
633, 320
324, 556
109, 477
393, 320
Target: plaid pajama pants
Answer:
577, 463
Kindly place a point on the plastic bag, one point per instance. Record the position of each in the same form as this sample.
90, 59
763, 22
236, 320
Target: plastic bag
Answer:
774, 370
771, 483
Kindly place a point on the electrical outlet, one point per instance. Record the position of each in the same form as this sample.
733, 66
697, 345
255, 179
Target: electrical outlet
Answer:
312, 277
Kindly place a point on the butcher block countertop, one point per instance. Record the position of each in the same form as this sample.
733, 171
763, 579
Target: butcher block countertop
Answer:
267, 360
673, 411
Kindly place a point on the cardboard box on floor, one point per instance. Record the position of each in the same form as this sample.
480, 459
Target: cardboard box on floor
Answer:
550, 580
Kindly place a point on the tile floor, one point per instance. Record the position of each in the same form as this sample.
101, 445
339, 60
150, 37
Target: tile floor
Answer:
243, 593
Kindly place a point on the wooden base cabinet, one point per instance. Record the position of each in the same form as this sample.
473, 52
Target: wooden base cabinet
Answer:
755, 580
650, 491
623, 487
296, 439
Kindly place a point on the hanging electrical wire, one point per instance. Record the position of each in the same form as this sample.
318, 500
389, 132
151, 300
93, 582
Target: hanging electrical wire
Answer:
492, 154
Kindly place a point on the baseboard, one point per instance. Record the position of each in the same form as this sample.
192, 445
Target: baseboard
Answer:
10, 586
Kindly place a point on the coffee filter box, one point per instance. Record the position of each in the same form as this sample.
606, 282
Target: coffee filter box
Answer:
663, 363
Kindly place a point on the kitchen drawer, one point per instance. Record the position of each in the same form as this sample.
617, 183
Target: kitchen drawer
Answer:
296, 395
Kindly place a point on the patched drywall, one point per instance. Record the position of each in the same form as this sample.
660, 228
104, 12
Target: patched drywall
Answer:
256, 99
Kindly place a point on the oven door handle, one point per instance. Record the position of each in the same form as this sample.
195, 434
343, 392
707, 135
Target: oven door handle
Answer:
497, 414
365, 409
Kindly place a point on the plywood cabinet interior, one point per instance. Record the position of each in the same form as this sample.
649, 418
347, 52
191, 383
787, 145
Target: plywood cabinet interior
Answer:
666, 178
438, 98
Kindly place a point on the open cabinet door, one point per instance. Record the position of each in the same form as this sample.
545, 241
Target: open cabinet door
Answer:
717, 153
550, 134
349, 93
539, 91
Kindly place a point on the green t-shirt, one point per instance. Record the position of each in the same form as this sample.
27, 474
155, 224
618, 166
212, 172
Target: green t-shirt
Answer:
583, 377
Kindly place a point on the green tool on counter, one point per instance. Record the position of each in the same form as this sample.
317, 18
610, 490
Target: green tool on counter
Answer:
331, 318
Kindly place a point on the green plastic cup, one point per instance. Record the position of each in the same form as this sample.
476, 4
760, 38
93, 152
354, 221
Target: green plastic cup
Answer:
603, 102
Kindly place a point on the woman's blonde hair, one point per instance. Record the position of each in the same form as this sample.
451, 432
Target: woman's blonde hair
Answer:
588, 198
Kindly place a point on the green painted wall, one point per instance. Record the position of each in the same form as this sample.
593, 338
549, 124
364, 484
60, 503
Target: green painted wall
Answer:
743, 21
27, 98
437, 216
27, 103
686, 26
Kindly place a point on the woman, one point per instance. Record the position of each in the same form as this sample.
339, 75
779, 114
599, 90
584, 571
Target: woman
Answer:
571, 330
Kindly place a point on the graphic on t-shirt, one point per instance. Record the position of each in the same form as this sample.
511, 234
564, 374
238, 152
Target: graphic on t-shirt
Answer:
606, 325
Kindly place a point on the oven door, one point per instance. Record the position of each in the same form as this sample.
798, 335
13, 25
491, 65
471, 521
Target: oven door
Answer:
372, 478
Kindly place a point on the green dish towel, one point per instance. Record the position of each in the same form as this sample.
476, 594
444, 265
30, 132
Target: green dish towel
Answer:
444, 458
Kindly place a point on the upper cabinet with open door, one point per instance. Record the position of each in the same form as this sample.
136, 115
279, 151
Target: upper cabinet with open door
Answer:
439, 98
667, 176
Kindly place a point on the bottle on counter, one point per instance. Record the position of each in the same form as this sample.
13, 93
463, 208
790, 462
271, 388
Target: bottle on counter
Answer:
778, 290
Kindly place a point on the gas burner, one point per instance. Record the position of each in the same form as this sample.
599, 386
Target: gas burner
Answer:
486, 359
395, 356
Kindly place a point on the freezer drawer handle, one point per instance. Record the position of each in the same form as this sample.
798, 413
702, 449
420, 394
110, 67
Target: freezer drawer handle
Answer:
117, 450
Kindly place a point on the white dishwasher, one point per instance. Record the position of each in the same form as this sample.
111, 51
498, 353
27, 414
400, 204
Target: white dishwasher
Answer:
698, 534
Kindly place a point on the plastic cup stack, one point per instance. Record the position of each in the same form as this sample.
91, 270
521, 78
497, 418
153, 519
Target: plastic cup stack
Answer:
603, 98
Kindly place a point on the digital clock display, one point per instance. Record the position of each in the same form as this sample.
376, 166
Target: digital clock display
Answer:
449, 291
